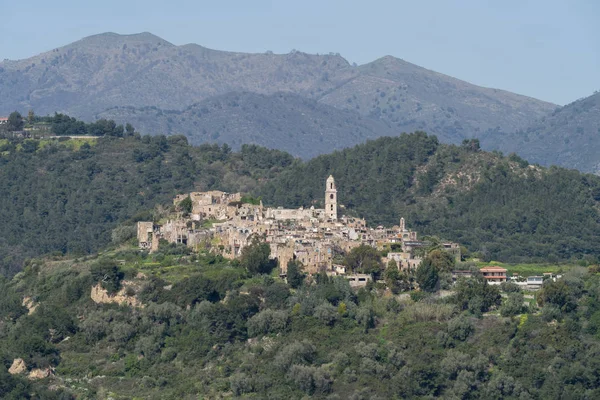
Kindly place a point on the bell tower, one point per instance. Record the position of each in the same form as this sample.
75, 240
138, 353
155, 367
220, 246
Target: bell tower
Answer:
330, 199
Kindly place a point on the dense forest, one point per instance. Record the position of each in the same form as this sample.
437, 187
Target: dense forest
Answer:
67, 195
63, 125
211, 328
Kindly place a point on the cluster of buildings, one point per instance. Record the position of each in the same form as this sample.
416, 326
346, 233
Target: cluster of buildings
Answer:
226, 223
495, 275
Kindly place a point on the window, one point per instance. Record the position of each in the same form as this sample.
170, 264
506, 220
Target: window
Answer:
331, 186
331, 196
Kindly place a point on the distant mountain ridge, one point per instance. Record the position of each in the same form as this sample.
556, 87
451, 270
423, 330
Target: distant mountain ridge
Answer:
100, 72
300, 126
568, 137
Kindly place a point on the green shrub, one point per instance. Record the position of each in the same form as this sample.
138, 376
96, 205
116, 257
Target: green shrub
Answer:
513, 305
268, 321
108, 274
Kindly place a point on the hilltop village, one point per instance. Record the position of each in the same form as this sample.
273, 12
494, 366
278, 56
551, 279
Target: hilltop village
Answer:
226, 223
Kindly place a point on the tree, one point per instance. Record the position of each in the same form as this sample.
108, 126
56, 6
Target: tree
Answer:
441, 260
326, 313
513, 305
295, 276
392, 277
186, 205
364, 259
476, 295
30, 116
427, 276
510, 287
129, 129
559, 294
15, 121
471, 145
255, 257
108, 274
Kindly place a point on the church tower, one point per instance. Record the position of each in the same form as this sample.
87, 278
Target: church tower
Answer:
330, 199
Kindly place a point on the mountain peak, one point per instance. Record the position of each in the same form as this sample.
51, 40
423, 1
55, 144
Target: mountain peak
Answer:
109, 39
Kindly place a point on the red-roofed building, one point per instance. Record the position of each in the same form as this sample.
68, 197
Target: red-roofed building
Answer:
3, 120
494, 275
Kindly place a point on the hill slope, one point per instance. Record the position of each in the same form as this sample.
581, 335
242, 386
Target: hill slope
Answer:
412, 98
501, 208
209, 329
77, 193
567, 137
297, 125
109, 70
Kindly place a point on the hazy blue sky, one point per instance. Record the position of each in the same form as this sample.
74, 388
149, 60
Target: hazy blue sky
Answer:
546, 49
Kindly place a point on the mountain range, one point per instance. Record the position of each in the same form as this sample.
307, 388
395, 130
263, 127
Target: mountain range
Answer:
303, 103
568, 137
286, 121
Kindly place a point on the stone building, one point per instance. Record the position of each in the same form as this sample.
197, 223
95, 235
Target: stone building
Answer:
331, 199
226, 224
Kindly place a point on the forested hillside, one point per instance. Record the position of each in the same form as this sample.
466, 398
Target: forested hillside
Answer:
500, 207
568, 137
210, 328
67, 195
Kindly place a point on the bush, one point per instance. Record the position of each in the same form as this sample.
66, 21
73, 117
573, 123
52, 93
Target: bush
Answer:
268, 321
241, 383
460, 328
513, 305
419, 296
561, 294
474, 294
123, 233
326, 313
108, 274
310, 379
510, 287
122, 332
295, 353
295, 276
550, 312
77, 288
424, 312
365, 317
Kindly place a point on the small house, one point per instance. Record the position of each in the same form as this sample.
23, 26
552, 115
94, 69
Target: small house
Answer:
494, 275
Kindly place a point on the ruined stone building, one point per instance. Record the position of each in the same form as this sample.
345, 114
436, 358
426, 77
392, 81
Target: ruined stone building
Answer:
313, 236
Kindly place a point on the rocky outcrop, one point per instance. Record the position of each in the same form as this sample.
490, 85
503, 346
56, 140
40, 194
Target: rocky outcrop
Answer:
18, 367
101, 296
30, 304
39, 373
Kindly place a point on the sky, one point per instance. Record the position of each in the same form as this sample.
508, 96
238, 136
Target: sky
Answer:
547, 49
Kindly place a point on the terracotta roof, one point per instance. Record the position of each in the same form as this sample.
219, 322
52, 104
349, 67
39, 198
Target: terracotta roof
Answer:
492, 268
